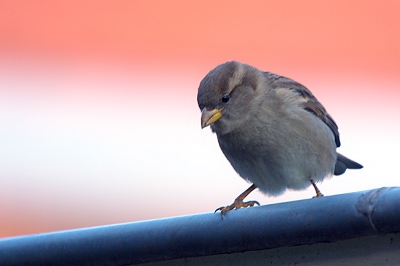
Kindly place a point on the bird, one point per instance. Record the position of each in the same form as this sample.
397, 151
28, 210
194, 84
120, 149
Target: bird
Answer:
272, 130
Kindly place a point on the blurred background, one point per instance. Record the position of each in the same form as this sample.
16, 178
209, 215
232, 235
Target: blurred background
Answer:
99, 122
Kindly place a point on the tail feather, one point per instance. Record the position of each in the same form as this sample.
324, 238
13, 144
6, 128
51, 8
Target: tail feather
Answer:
343, 163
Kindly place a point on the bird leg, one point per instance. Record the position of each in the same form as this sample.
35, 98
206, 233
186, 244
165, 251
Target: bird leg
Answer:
319, 194
238, 203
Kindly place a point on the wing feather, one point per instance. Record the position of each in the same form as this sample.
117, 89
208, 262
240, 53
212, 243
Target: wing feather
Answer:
309, 102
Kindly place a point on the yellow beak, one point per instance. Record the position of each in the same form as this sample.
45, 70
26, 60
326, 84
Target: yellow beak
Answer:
209, 117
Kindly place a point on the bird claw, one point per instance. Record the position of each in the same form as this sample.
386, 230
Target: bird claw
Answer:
236, 205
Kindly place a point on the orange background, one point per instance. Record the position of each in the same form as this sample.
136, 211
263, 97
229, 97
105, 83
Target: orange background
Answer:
99, 122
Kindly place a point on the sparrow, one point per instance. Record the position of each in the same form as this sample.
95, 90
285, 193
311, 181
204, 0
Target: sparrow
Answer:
272, 130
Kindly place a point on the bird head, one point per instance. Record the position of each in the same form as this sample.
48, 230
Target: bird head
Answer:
227, 96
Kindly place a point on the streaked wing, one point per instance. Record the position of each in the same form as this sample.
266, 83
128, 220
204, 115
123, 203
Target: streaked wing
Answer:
310, 103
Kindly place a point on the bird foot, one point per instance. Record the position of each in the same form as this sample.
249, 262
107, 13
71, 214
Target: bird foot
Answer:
237, 204
318, 196
317, 191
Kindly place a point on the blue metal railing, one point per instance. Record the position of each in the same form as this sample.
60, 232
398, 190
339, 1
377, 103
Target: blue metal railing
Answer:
301, 222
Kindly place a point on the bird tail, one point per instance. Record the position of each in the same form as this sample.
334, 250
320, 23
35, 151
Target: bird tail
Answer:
343, 163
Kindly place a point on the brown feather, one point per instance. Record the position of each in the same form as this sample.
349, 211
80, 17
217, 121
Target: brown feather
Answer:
310, 103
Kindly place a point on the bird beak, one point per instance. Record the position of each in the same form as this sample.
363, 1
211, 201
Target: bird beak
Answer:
209, 117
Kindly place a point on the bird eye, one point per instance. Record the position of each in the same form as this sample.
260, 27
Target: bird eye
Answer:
225, 98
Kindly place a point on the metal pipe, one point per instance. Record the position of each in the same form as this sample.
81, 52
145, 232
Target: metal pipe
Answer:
300, 222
